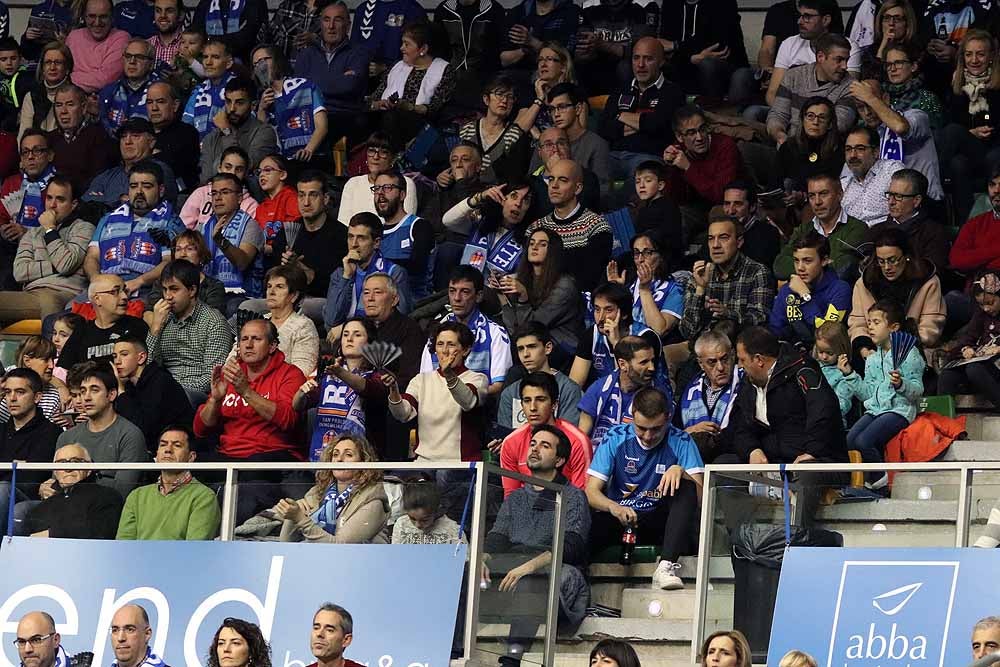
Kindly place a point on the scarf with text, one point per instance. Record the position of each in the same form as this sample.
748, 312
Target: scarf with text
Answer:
33, 203
130, 244
330, 507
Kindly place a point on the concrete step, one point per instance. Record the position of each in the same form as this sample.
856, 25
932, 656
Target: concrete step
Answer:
944, 486
647, 603
972, 450
972, 403
719, 568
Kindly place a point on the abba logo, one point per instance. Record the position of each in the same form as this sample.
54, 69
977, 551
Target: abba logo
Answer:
892, 614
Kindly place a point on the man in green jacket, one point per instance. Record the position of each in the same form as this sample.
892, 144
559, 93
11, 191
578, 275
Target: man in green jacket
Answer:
847, 235
177, 507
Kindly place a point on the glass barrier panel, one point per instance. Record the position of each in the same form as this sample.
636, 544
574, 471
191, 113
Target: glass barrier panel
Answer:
984, 505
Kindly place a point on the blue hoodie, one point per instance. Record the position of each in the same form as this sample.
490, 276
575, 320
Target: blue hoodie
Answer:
794, 320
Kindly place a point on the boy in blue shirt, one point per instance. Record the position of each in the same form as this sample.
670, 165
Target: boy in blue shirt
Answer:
643, 476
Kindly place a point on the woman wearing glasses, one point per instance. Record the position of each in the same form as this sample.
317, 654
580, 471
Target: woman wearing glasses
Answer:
555, 66
54, 67
500, 133
657, 299
895, 22
895, 273
817, 148
357, 195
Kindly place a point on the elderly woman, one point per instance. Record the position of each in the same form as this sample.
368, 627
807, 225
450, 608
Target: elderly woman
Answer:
357, 195
344, 506
54, 68
502, 135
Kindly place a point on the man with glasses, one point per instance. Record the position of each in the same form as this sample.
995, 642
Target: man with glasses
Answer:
406, 239
553, 146
826, 77
39, 645
76, 504
236, 242
644, 476
237, 126
815, 19
126, 97
133, 241
95, 339
761, 237
197, 208
865, 177
567, 106
847, 235
97, 48
904, 135
22, 199
707, 401
636, 118
906, 197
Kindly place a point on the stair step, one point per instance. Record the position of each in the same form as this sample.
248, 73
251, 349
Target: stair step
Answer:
677, 605
945, 486
972, 450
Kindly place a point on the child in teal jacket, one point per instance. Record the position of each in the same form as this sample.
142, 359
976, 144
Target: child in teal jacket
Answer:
832, 350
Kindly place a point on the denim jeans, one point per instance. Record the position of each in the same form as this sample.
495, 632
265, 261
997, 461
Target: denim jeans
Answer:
871, 433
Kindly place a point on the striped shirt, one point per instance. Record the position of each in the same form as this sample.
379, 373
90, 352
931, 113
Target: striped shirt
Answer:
501, 146
50, 403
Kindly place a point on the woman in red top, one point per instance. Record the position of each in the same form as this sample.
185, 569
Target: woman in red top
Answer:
281, 202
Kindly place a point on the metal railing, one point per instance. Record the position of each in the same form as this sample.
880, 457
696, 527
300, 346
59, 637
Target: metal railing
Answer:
716, 475
476, 523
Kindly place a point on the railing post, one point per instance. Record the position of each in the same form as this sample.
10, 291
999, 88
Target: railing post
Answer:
229, 491
964, 507
704, 562
476, 537
552, 610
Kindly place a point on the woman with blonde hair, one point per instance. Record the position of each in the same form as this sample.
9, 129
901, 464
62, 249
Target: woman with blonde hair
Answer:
555, 66
797, 659
970, 142
725, 648
343, 506
54, 67
39, 354
895, 22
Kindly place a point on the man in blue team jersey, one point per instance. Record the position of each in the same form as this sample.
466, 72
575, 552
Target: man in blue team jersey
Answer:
644, 476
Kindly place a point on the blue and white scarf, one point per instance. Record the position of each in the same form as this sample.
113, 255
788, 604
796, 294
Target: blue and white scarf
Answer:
498, 251
119, 102
151, 660
218, 23
891, 146
33, 204
220, 268
661, 290
377, 264
482, 349
330, 507
693, 408
340, 411
615, 406
292, 114
127, 244
206, 100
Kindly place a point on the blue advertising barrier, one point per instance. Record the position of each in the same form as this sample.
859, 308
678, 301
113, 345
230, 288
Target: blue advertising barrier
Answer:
883, 607
403, 598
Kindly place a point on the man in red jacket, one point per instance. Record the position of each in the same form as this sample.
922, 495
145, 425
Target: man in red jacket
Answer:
251, 408
540, 400
703, 163
976, 247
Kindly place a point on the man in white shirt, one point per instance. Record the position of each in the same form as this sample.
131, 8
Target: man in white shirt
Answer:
865, 177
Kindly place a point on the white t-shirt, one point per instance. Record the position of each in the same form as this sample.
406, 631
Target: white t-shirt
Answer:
798, 51
357, 198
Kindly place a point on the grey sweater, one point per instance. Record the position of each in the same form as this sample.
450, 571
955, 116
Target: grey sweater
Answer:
54, 259
256, 138
799, 85
122, 442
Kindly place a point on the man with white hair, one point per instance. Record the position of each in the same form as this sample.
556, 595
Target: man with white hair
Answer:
707, 401
986, 637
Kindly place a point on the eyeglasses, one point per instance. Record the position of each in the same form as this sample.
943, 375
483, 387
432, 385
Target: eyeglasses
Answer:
33, 152
509, 96
859, 148
702, 130
261, 60
35, 640
807, 17
379, 152
118, 290
135, 57
897, 196
269, 170
893, 18
890, 261
52, 63
645, 252
552, 108
224, 192
185, 248
817, 117
550, 145
387, 187
895, 64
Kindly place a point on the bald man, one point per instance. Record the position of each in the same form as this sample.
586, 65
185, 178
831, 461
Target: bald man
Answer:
74, 504
554, 145
96, 339
38, 643
130, 635
636, 119
586, 236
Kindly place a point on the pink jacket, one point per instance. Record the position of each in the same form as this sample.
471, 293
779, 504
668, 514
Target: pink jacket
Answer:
96, 64
198, 207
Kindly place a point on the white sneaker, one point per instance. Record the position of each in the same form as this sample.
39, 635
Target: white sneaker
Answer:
665, 576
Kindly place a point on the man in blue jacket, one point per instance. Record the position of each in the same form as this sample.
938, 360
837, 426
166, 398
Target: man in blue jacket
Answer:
813, 295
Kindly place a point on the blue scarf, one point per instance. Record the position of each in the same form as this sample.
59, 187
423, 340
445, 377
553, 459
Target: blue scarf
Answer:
479, 358
891, 147
329, 508
218, 23
220, 268
32, 205
292, 114
341, 411
127, 244
693, 408
151, 660
377, 264
498, 251
119, 103
206, 100
661, 289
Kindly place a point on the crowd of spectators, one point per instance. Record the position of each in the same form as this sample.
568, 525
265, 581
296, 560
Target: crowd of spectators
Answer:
607, 248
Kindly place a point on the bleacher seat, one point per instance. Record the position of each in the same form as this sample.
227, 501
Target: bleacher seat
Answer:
23, 328
643, 553
942, 405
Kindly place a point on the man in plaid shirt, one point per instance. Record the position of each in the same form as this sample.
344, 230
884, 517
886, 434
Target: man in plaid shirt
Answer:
294, 26
729, 287
168, 17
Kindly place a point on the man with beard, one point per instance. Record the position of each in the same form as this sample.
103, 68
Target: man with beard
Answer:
978, 243
176, 507
39, 645
133, 241
406, 239
136, 138
168, 16
865, 177
332, 632
608, 401
126, 97
237, 126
